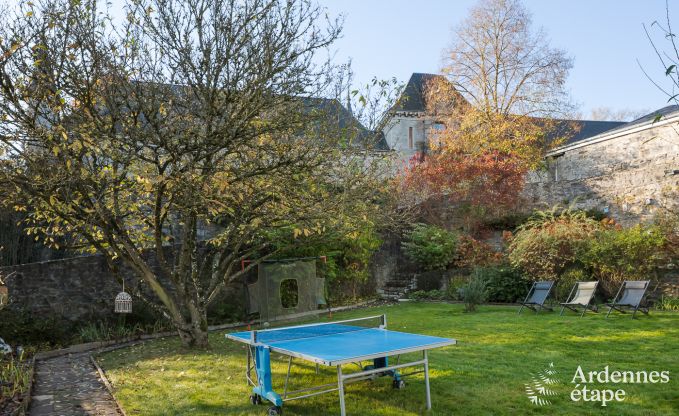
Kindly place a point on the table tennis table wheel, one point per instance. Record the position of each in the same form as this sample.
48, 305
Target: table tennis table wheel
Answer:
399, 384
255, 399
275, 411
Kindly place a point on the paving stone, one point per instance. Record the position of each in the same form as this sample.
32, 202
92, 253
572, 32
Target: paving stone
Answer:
69, 385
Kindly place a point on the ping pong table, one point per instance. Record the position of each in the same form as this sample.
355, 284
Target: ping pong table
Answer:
334, 344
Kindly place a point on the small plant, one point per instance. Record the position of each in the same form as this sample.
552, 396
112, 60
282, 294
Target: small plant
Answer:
667, 303
431, 247
103, 331
417, 295
504, 283
474, 292
455, 285
15, 375
420, 295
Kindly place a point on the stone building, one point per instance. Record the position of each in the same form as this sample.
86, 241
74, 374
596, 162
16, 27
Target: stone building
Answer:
408, 128
628, 172
625, 169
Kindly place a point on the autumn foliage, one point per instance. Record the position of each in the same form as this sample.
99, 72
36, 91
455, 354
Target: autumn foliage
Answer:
485, 180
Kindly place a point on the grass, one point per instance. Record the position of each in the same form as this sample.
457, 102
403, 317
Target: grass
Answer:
484, 374
15, 380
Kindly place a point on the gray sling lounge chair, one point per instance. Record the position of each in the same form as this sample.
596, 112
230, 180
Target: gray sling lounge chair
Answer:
580, 297
537, 295
630, 296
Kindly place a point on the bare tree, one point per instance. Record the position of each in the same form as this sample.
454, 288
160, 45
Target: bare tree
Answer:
502, 65
610, 114
662, 38
503, 90
191, 115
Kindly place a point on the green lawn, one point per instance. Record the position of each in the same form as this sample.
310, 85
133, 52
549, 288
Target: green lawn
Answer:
483, 375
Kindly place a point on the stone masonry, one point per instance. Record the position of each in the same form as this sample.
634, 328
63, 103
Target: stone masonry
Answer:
629, 173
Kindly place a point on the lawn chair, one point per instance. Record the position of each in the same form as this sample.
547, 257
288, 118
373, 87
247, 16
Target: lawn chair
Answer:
580, 297
537, 295
629, 296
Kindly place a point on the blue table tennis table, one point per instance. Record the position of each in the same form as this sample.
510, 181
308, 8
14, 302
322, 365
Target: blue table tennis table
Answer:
334, 344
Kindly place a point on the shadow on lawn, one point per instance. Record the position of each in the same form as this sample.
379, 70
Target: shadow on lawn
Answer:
484, 374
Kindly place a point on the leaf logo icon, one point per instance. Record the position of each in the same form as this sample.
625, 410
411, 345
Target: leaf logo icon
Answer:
538, 390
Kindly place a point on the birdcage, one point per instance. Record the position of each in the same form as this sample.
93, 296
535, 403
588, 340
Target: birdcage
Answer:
123, 303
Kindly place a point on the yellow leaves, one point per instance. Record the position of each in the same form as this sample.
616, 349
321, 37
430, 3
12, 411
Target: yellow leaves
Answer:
296, 232
353, 235
15, 46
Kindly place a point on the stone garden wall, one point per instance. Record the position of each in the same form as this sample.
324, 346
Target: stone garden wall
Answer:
630, 174
75, 289
83, 289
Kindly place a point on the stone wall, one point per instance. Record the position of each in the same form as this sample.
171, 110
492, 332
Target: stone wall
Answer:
74, 289
83, 289
630, 175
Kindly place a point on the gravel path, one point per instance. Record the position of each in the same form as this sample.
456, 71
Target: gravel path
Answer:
69, 385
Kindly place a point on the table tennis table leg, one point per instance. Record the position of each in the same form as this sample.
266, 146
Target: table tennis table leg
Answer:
248, 366
340, 386
426, 379
263, 368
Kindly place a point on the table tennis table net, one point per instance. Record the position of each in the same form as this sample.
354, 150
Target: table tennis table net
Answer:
316, 330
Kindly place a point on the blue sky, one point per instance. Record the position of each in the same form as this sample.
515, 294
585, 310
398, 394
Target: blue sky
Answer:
393, 38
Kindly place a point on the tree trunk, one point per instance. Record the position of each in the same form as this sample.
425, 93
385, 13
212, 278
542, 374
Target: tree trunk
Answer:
194, 334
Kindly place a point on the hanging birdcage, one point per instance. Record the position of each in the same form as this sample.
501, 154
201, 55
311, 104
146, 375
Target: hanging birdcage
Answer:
123, 303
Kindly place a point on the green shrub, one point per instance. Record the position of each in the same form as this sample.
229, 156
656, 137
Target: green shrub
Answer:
667, 303
567, 280
455, 285
471, 252
420, 295
417, 295
437, 294
431, 247
550, 243
504, 283
506, 222
617, 254
15, 375
474, 292
668, 223
21, 327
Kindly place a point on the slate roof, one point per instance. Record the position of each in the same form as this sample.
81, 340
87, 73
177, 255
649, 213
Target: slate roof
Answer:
587, 128
346, 120
412, 98
594, 128
662, 112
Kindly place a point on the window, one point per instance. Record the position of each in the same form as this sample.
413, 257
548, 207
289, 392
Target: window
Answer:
410, 137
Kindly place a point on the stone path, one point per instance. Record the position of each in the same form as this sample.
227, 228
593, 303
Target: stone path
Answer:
69, 385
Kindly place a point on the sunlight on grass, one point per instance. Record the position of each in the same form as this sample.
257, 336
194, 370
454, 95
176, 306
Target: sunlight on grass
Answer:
485, 373
620, 337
